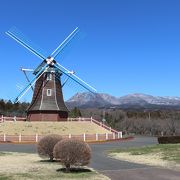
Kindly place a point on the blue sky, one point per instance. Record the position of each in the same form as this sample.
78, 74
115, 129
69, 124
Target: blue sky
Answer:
130, 45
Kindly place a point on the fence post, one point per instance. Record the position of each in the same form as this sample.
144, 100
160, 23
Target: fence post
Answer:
19, 137
114, 136
96, 136
4, 138
91, 119
2, 118
14, 118
69, 136
84, 137
36, 137
119, 135
106, 136
109, 128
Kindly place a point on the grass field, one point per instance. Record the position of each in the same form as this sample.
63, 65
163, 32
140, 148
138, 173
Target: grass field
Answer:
23, 166
42, 128
166, 155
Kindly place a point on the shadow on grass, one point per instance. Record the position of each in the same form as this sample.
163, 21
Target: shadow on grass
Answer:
47, 161
74, 170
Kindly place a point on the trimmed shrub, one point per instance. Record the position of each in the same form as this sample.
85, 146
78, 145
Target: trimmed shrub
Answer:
169, 139
46, 145
72, 152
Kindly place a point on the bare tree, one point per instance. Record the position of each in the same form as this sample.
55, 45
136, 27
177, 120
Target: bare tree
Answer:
46, 145
72, 152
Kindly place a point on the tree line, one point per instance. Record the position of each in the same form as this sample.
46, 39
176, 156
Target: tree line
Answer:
153, 123
8, 108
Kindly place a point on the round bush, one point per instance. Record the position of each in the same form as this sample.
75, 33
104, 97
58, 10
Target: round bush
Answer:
72, 152
46, 145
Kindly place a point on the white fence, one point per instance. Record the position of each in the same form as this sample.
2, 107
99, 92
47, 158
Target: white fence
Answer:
14, 118
94, 121
84, 137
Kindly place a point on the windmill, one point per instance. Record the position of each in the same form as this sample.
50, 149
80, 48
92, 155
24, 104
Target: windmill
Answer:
47, 102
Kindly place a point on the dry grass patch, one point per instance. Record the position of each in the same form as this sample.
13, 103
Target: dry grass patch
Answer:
43, 128
163, 155
23, 166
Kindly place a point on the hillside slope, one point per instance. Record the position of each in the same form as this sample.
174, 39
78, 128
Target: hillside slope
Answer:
43, 128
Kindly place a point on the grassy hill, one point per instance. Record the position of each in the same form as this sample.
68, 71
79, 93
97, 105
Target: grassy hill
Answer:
42, 128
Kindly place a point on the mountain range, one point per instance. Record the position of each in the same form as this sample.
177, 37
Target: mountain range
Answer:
133, 101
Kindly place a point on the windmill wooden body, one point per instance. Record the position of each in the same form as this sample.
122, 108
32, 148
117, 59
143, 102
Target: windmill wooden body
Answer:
47, 102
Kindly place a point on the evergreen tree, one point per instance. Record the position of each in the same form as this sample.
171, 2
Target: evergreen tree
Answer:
8, 108
75, 113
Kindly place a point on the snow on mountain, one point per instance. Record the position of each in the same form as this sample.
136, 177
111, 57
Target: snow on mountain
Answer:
102, 99
89, 100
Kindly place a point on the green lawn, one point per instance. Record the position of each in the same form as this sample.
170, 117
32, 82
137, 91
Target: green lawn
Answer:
63, 176
4, 154
4, 177
170, 152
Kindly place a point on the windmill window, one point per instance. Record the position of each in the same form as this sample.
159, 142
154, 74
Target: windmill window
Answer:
49, 76
49, 92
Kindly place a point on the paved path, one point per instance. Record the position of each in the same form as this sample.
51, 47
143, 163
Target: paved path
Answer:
100, 161
122, 170
148, 173
115, 169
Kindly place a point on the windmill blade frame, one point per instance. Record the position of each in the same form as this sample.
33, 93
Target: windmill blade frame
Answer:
24, 44
75, 78
56, 52
28, 70
31, 83
65, 81
27, 78
67, 78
